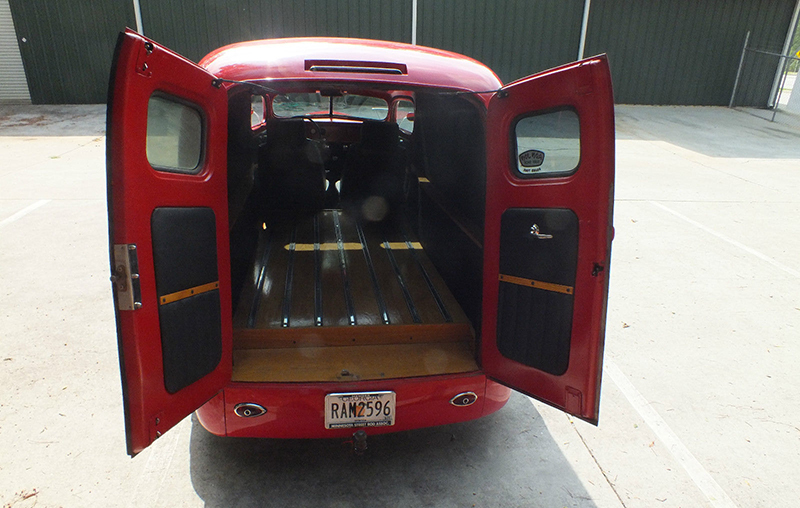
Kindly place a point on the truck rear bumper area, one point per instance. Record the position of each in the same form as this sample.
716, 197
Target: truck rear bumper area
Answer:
296, 411
334, 299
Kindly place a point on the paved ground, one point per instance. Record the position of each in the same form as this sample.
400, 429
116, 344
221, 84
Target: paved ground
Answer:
698, 403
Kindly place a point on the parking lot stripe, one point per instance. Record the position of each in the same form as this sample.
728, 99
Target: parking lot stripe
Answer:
22, 213
759, 255
713, 492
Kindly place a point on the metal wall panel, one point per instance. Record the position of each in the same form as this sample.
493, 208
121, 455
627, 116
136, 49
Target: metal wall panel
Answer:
514, 38
685, 52
13, 83
69, 47
661, 51
194, 28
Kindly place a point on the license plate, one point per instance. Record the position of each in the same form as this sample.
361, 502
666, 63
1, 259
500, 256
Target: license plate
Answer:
370, 409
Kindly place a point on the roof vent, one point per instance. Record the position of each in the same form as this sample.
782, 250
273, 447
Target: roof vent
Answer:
356, 66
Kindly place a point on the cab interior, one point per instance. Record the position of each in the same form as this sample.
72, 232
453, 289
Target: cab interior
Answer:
355, 234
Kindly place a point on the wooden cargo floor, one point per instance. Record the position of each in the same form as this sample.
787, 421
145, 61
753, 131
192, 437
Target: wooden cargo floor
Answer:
330, 299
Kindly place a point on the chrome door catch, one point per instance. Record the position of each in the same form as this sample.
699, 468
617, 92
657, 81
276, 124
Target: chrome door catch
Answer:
538, 235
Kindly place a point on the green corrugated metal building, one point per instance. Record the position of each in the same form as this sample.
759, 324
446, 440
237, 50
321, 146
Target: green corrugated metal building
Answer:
661, 51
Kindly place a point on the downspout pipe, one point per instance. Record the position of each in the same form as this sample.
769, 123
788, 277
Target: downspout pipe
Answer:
773, 94
587, 4
137, 12
414, 22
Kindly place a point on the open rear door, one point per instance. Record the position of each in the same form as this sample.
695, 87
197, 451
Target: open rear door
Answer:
549, 198
168, 230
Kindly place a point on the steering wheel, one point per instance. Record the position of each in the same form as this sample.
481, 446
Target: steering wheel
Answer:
316, 133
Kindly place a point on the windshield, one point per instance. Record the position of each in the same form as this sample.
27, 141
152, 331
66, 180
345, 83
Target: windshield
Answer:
314, 104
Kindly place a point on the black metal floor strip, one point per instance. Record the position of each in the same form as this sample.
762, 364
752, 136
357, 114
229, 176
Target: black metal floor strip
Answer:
317, 275
251, 318
434, 292
348, 297
375, 286
287, 290
406, 293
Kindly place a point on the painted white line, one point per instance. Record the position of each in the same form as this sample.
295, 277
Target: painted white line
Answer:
713, 492
759, 255
22, 213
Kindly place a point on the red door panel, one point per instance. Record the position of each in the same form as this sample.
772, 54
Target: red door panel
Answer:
548, 234
168, 229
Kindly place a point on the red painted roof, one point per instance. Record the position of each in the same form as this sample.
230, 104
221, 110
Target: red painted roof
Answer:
285, 59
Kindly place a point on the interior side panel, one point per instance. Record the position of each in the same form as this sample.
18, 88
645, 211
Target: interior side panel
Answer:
449, 155
243, 145
450, 145
455, 253
185, 259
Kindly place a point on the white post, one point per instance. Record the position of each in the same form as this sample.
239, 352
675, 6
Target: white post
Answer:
786, 46
137, 12
414, 22
585, 26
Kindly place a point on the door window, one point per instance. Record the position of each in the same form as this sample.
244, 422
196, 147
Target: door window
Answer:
174, 135
548, 144
258, 111
404, 115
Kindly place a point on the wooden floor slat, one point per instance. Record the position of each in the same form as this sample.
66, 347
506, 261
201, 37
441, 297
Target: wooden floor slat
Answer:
260, 338
352, 363
248, 295
361, 286
303, 332
303, 309
271, 295
387, 281
332, 275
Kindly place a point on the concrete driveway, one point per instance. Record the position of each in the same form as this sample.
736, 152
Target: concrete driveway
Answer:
698, 404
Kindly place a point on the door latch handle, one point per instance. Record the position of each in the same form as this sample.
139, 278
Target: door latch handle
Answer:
538, 235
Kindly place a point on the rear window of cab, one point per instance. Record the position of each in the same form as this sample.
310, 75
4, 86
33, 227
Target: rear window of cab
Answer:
363, 107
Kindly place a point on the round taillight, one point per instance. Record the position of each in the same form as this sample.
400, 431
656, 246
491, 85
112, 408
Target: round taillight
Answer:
249, 410
464, 399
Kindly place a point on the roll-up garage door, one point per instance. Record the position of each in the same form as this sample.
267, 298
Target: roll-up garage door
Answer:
13, 84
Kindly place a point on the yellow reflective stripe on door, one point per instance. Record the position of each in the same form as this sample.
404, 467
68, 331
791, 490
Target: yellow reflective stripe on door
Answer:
547, 286
186, 293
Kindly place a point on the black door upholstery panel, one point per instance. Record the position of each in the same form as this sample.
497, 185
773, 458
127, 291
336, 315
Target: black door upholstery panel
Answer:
187, 284
537, 278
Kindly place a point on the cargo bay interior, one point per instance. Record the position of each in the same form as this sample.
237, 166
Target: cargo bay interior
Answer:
356, 246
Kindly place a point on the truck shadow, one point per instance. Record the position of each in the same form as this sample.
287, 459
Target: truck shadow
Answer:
53, 120
716, 132
506, 459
